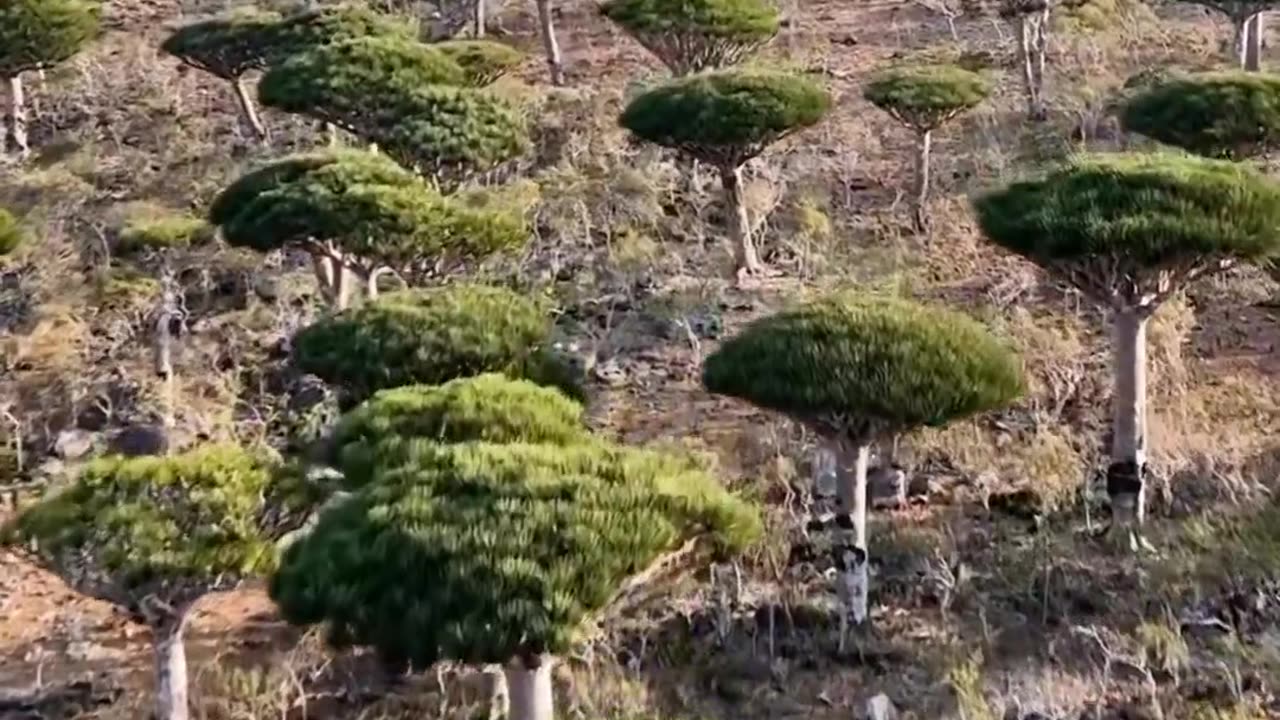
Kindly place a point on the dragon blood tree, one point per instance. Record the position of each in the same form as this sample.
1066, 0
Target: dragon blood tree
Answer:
508, 553
406, 98
924, 98
431, 336
725, 119
1129, 231
1229, 115
1246, 19
857, 369
357, 214
693, 35
153, 535
35, 35
482, 61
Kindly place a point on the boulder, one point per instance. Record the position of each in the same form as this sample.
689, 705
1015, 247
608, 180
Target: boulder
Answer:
139, 440
73, 444
880, 707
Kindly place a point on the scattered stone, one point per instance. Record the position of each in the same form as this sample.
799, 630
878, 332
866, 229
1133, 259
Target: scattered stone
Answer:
73, 444
880, 707
610, 373
1024, 503
139, 440
93, 418
887, 488
922, 488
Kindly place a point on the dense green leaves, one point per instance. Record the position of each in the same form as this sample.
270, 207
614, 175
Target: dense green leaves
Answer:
866, 365
490, 408
364, 204
424, 337
160, 525
481, 553
163, 232
312, 28
43, 33
1143, 211
728, 116
925, 96
1228, 114
227, 47
11, 233
483, 61
329, 76
693, 35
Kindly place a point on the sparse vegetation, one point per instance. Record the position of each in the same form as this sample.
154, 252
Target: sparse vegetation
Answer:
11, 233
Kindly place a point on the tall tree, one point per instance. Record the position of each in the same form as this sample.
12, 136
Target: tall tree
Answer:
482, 553
35, 35
1129, 231
856, 369
356, 214
924, 98
154, 535
725, 119
1230, 115
1246, 18
693, 35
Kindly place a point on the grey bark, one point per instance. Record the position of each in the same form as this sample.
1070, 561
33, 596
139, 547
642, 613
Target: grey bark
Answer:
480, 20
168, 311
549, 43
529, 687
171, 670
1032, 55
18, 117
248, 111
849, 543
747, 260
920, 201
1254, 29
1125, 482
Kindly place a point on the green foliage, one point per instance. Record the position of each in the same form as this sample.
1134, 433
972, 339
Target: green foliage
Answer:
693, 35
312, 28
728, 116
1148, 211
227, 47
158, 524
424, 337
11, 233
865, 365
1226, 114
489, 408
481, 553
163, 232
328, 76
43, 33
926, 96
363, 203
483, 61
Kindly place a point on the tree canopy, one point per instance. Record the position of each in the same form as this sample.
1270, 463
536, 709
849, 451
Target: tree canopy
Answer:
482, 61
1232, 114
728, 116
36, 34
693, 35
481, 553
926, 96
1143, 211
865, 365
426, 337
229, 46
11, 233
487, 408
308, 29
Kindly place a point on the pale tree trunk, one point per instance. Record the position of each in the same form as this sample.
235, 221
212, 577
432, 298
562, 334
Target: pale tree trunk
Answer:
529, 687
18, 118
249, 111
335, 278
849, 543
480, 19
168, 311
1125, 484
171, 670
747, 261
1254, 30
1032, 54
920, 200
549, 42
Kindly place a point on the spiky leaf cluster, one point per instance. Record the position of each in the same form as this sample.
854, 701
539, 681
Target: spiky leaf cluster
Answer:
362, 203
168, 526
693, 35
308, 29
481, 553
227, 47
1231, 115
489, 408
860, 366
11, 233
424, 337
483, 61
1135, 215
726, 117
37, 34
924, 97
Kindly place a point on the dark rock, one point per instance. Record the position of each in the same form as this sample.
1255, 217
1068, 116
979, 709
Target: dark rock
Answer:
922, 487
73, 444
1024, 503
140, 440
887, 487
93, 418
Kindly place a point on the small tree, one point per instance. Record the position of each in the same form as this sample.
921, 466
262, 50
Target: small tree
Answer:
725, 119
426, 337
482, 61
11, 233
482, 553
356, 214
1246, 18
551, 46
856, 370
693, 35
924, 98
398, 95
1031, 17
1129, 231
34, 35
154, 535
1232, 115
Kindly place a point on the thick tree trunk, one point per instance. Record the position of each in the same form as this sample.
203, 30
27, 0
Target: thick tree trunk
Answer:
480, 20
248, 111
920, 199
1254, 29
335, 279
1125, 484
171, 670
530, 689
18, 117
849, 544
549, 42
747, 261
